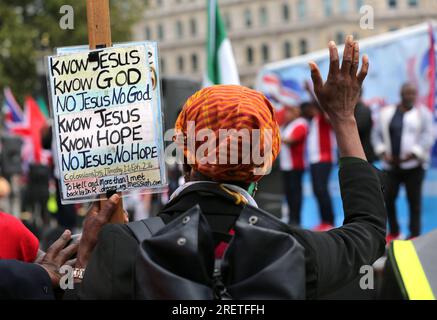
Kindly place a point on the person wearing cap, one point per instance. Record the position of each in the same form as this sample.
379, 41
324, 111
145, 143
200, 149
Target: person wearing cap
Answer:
108, 253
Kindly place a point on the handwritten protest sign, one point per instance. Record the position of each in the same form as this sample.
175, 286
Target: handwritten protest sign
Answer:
107, 121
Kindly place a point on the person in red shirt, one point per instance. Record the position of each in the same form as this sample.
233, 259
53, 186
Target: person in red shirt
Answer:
321, 153
292, 158
16, 241
322, 156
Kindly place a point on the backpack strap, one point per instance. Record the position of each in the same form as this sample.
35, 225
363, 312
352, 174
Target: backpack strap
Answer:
220, 290
146, 228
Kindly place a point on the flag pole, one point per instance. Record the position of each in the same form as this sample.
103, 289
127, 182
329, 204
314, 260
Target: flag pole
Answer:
99, 36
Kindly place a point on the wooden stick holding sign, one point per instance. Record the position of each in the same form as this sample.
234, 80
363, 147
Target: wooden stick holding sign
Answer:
99, 24
99, 36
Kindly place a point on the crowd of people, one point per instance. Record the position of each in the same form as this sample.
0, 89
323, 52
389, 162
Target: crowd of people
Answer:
400, 136
210, 240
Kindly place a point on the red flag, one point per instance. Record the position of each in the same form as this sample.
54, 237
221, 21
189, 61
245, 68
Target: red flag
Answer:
432, 70
31, 129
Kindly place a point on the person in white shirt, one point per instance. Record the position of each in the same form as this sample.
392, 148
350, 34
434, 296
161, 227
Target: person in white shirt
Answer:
403, 138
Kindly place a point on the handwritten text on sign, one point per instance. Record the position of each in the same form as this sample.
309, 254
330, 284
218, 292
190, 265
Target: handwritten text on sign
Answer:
102, 105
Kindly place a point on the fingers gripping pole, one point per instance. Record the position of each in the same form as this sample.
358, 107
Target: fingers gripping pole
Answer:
99, 36
119, 216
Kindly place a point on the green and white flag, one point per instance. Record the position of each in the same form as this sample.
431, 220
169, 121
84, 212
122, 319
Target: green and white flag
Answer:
221, 66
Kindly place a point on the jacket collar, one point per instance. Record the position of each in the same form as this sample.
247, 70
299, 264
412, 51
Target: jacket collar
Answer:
250, 200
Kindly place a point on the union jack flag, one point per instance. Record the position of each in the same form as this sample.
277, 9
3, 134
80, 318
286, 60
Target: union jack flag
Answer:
12, 110
282, 94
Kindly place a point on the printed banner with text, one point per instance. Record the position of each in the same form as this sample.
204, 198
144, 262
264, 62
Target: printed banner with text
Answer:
395, 58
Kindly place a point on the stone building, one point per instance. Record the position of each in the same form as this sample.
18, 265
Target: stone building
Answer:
263, 31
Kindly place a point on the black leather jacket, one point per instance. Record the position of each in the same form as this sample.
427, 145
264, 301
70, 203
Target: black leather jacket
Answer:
332, 259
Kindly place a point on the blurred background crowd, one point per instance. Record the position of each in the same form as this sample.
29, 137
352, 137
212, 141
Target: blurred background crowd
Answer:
302, 188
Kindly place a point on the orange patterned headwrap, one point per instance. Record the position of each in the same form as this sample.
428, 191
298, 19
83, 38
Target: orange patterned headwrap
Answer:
228, 107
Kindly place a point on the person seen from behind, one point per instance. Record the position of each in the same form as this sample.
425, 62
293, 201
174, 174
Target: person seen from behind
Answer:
116, 266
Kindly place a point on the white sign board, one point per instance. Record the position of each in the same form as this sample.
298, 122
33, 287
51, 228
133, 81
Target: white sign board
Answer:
107, 120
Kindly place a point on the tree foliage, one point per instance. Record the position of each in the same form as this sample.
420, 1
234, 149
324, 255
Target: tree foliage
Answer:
29, 29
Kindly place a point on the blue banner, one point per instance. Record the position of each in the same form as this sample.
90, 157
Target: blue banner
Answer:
395, 58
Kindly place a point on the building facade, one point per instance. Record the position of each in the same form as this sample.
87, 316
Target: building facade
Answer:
263, 31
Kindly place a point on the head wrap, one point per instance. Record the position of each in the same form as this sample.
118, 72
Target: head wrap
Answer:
249, 119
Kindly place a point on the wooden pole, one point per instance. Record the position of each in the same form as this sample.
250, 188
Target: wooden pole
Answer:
99, 36
99, 24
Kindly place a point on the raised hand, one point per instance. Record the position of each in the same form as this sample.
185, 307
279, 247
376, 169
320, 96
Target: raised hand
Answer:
340, 94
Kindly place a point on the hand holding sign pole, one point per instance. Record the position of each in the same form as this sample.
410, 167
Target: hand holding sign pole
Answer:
107, 116
99, 36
